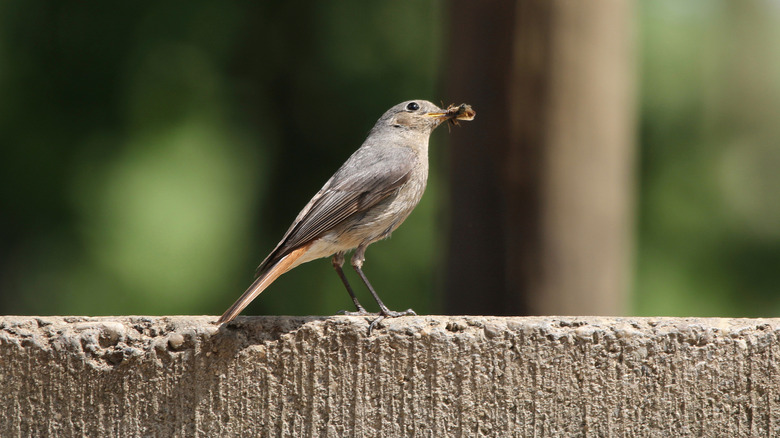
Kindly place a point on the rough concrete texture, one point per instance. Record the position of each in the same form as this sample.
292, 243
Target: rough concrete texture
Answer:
428, 376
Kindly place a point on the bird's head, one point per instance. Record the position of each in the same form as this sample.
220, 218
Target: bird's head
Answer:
423, 116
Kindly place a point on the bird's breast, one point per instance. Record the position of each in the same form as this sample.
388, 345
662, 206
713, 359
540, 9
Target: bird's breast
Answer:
382, 219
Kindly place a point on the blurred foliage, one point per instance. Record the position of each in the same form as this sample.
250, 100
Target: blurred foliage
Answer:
153, 153
709, 211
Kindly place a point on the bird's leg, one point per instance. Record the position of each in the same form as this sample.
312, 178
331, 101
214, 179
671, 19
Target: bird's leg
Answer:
338, 262
384, 312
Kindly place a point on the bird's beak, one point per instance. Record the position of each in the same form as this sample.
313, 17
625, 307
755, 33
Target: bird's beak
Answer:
438, 116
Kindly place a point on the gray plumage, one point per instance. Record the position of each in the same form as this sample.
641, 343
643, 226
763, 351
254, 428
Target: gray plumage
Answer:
372, 193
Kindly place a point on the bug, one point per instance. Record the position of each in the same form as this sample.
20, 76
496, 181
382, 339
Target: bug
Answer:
460, 112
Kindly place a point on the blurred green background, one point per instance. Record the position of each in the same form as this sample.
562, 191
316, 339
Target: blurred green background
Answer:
153, 153
709, 163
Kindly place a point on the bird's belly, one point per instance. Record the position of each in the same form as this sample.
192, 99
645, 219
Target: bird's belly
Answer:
384, 218
325, 246
365, 228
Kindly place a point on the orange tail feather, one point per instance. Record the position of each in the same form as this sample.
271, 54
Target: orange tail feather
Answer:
262, 282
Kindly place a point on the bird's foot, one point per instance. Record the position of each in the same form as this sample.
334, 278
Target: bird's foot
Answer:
387, 313
393, 314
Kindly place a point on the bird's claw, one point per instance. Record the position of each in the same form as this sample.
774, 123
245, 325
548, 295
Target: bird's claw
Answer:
388, 314
374, 323
394, 314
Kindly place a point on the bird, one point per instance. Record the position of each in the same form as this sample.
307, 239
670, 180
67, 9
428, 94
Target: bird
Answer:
367, 198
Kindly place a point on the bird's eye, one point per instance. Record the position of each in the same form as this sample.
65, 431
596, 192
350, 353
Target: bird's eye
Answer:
413, 106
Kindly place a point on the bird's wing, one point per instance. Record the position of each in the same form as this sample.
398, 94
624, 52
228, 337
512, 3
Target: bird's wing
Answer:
367, 178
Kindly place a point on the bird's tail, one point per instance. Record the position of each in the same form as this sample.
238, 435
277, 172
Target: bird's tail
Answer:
263, 281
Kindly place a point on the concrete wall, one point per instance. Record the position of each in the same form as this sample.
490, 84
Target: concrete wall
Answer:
428, 376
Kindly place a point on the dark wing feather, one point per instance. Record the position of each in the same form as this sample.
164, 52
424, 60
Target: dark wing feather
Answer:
367, 178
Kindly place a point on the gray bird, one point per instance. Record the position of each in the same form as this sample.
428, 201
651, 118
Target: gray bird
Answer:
363, 202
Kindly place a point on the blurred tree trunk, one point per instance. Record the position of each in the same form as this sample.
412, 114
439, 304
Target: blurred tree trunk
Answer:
542, 181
